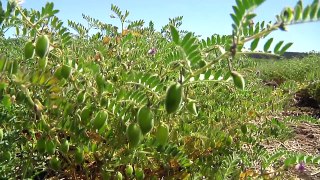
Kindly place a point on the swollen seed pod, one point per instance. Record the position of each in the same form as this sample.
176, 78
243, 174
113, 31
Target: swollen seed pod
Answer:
173, 98
29, 50
129, 170
118, 176
64, 147
238, 80
42, 46
85, 115
244, 129
162, 134
100, 120
145, 119
57, 73
100, 82
55, 163
134, 134
139, 174
65, 71
43, 63
229, 140
191, 106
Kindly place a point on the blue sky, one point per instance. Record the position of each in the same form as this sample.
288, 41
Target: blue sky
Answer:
204, 17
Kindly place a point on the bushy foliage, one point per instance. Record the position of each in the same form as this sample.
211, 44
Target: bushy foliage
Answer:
291, 69
71, 102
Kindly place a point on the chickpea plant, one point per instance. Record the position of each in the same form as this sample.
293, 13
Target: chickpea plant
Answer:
115, 103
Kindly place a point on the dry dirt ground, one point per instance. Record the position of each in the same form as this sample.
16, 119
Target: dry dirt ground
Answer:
305, 138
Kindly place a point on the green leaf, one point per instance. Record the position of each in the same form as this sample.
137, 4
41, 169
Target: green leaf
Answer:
262, 25
186, 38
308, 159
254, 44
218, 39
236, 11
290, 161
257, 28
191, 49
174, 35
251, 31
227, 76
306, 13
213, 40
250, 16
203, 43
195, 59
275, 156
6, 101
188, 45
223, 40
314, 9
207, 74
241, 7
267, 45
297, 13
246, 4
193, 54
245, 31
116, 10
300, 3
217, 74
235, 19
258, 2
209, 41
316, 160
277, 47
285, 48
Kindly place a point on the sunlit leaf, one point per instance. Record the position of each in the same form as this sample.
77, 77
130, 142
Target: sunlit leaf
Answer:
306, 13
188, 44
314, 9
235, 19
258, 2
277, 47
236, 12
174, 35
285, 48
297, 13
254, 44
186, 38
267, 45
246, 3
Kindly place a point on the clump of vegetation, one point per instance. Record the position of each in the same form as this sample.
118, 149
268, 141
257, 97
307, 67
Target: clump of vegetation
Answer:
133, 102
314, 91
291, 69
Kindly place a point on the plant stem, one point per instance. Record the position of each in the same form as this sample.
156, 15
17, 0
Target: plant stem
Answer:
204, 68
202, 81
